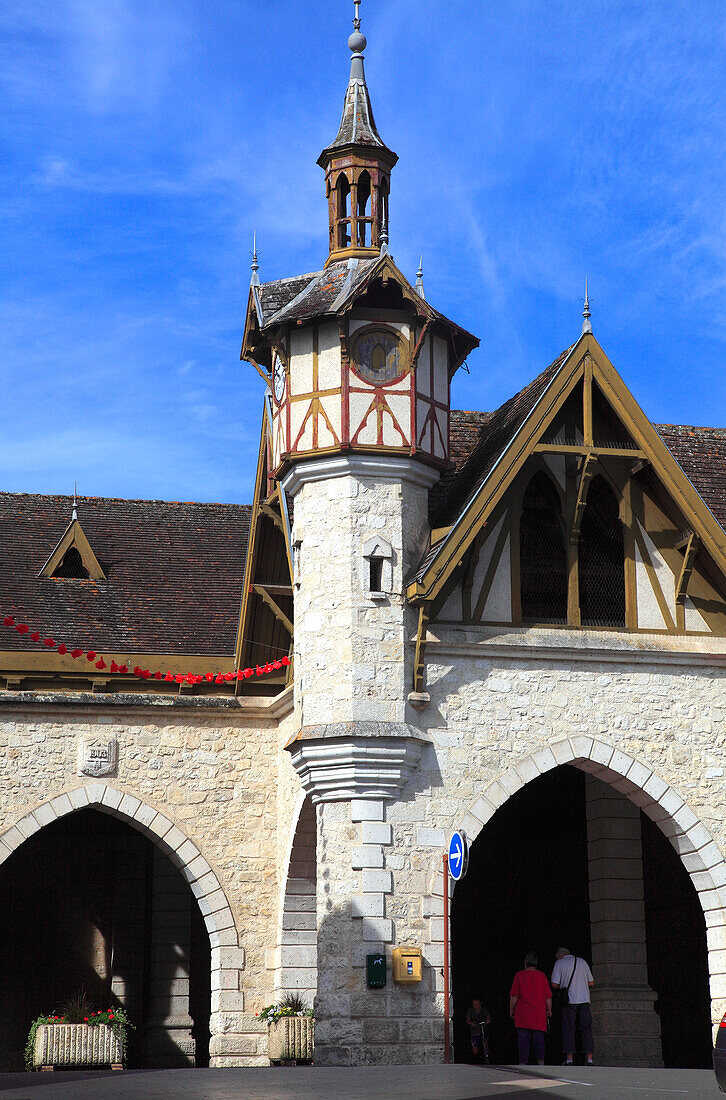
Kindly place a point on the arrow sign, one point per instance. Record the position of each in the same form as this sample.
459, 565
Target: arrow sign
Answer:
458, 855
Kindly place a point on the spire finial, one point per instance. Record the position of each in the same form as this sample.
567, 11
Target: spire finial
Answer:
419, 288
74, 513
255, 280
586, 326
356, 44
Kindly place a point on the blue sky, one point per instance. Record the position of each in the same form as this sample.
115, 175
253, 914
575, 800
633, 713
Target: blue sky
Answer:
144, 140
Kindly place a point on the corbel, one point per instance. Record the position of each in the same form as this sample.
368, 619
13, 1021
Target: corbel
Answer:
687, 568
420, 656
276, 518
586, 473
265, 377
420, 342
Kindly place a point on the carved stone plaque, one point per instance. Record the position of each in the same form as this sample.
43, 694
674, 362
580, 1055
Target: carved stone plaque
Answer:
97, 757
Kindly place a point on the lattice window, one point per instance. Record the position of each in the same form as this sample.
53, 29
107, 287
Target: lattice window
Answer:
71, 566
543, 557
601, 559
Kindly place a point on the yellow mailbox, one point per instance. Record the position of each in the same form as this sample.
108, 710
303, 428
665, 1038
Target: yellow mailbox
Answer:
407, 964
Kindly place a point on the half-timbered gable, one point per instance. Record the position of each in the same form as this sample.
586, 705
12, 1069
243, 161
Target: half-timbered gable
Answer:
571, 510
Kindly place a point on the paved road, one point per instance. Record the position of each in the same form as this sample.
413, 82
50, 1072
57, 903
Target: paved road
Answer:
365, 1083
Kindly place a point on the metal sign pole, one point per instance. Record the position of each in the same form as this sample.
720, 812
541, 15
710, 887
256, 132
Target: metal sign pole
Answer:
447, 999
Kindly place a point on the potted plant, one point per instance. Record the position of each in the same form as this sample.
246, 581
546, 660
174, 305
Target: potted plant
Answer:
76, 1035
290, 1030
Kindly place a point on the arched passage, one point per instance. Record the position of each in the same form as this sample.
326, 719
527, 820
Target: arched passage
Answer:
297, 970
700, 858
163, 872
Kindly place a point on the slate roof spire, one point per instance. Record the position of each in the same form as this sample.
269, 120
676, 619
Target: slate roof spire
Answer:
357, 167
357, 125
586, 326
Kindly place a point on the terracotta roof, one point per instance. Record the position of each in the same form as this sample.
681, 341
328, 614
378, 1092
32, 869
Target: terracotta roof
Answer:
701, 454
450, 496
174, 574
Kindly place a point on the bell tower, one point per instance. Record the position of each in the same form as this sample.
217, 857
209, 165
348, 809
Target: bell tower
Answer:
357, 168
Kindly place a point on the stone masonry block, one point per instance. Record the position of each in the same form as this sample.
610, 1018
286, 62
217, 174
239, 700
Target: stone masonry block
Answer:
495, 795
221, 937
699, 836
13, 838
367, 905
299, 956
78, 797
161, 825
366, 809
562, 751
601, 753
483, 810
366, 855
433, 838
111, 798
376, 881
188, 852
471, 825
639, 774
376, 832
527, 769
44, 814
655, 787
144, 815
225, 979
174, 839
129, 805
511, 781
27, 825
95, 792
671, 801
232, 958
380, 930
581, 747
228, 1000
545, 760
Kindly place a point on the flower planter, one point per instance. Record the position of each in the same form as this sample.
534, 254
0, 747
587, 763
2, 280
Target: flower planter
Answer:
291, 1039
76, 1045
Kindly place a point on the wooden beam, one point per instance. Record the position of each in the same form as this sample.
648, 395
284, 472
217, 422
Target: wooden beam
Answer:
420, 658
273, 515
599, 452
586, 472
276, 589
687, 568
274, 607
587, 403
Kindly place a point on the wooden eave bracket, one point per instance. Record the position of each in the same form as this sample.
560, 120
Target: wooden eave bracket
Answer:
420, 656
586, 474
269, 511
263, 592
687, 568
74, 536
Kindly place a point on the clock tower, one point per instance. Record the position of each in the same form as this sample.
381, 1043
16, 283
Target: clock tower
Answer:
358, 366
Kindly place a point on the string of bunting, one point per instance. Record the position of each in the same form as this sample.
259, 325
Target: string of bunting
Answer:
98, 662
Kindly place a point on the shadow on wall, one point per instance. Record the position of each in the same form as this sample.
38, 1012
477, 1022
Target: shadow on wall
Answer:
355, 1025
86, 913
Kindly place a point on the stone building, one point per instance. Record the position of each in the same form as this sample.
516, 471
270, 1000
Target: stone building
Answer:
235, 739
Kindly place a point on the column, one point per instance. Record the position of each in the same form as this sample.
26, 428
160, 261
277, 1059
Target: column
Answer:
625, 1024
169, 1041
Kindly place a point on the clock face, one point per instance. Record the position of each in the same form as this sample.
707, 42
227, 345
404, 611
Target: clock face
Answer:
278, 379
377, 356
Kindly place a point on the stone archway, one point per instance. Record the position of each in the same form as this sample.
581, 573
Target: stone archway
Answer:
227, 957
296, 965
697, 849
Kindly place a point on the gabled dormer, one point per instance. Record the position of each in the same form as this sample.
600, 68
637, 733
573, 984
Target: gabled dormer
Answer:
73, 557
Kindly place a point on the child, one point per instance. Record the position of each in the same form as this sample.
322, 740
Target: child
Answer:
478, 1019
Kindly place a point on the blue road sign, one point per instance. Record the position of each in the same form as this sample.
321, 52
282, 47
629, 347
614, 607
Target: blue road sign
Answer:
458, 855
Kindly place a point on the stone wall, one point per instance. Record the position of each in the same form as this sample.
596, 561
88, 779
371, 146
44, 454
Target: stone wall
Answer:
199, 777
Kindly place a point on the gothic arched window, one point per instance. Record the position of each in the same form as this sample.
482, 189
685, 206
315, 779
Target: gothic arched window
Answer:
601, 559
542, 552
342, 190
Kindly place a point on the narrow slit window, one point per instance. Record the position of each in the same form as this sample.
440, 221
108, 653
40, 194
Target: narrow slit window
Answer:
376, 574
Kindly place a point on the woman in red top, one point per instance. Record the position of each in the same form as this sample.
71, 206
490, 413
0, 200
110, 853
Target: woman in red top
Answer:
530, 1006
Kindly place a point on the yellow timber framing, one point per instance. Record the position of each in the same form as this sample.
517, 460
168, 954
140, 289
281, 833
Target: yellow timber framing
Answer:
262, 505
74, 536
585, 356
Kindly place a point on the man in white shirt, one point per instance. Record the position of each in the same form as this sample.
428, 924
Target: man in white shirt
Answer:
574, 975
